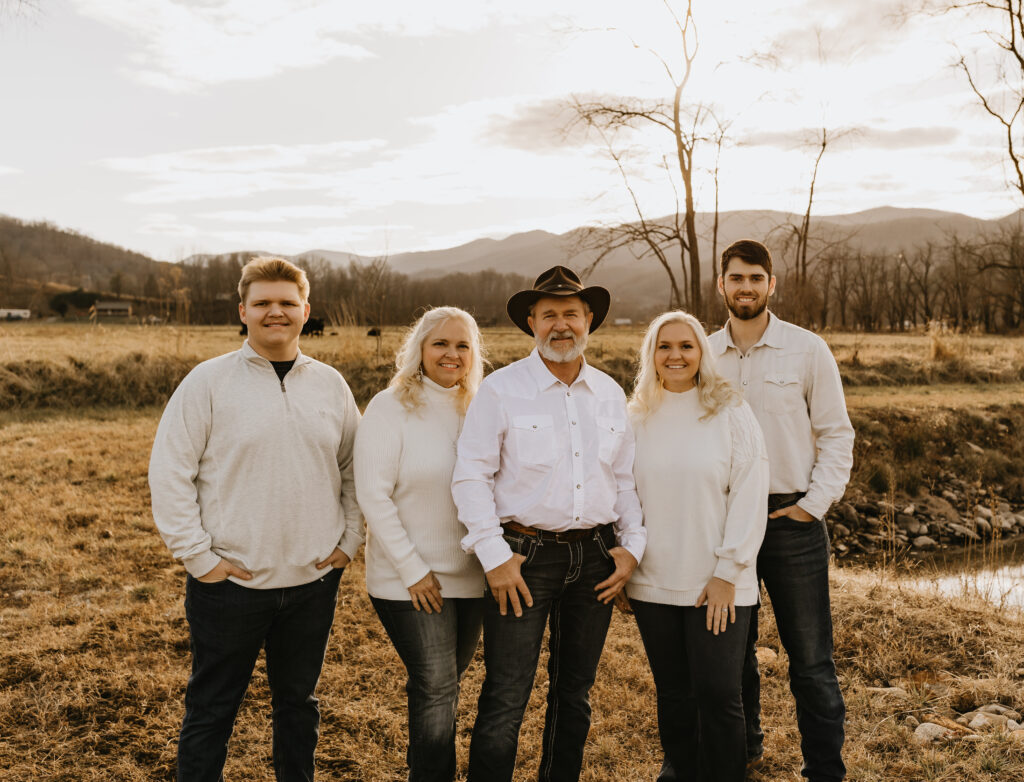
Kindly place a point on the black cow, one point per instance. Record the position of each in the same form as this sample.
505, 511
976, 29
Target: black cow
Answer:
374, 332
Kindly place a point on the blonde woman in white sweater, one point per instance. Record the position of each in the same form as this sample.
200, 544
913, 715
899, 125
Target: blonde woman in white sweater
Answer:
426, 590
702, 475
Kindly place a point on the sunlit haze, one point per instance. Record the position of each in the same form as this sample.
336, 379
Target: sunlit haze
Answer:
180, 127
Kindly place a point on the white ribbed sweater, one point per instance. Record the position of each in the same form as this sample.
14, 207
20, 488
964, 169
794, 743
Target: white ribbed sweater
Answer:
403, 466
704, 490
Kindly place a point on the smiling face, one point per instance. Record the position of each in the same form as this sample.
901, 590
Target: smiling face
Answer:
560, 326
677, 357
746, 288
447, 353
274, 311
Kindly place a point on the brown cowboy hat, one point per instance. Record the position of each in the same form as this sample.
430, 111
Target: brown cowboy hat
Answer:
558, 281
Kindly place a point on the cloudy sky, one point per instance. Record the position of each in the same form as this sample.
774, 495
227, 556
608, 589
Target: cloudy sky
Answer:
179, 126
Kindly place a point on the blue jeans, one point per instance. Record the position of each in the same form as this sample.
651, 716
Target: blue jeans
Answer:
561, 578
698, 678
229, 625
436, 649
793, 566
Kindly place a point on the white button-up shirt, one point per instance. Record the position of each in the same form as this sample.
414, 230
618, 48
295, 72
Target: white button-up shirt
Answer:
791, 381
547, 455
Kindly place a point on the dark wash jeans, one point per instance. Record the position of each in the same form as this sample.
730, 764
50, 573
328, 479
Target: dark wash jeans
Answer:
793, 566
229, 625
561, 578
698, 678
436, 649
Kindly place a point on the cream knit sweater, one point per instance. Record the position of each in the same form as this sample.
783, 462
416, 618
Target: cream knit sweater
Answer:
704, 490
403, 465
257, 470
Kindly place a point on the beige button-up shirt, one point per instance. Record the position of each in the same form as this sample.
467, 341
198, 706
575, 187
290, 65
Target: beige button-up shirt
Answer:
547, 455
791, 381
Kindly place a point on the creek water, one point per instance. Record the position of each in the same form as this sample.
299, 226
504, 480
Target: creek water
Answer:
1000, 584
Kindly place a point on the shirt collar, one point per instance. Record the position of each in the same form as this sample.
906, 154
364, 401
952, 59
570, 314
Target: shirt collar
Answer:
543, 377
772, 336
251, 355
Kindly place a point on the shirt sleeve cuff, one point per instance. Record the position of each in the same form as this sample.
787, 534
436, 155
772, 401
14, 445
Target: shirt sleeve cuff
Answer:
350, 543
816, 506
635, 543
412, 571
201, 564
728, 570
492, 552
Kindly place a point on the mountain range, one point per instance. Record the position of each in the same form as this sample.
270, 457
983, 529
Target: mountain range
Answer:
58, 256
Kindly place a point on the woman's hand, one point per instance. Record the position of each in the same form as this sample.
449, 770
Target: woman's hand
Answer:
426, 594
721, 599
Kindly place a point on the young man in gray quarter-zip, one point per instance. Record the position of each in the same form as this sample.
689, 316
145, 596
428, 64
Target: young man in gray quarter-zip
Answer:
252, 485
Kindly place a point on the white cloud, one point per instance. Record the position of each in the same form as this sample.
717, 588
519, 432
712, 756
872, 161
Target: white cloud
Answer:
8, 170
238, 172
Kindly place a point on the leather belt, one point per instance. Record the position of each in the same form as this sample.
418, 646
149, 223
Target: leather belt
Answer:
776, 501
568, 536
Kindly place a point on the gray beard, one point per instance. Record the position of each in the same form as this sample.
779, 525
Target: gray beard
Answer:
579, 345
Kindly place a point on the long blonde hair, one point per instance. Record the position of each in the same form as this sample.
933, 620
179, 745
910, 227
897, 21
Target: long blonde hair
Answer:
408, 362
713, 391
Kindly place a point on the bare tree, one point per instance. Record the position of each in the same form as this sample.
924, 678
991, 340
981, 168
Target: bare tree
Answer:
612, 114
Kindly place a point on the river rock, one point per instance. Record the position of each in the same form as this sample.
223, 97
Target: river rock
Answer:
908, 523
928, 733
963, 532
766, 656
981, 510
982, 526
895, 692
840, 530
847, 515
939, 507
1004, 523
950, 495
974, 448
998, 708
924, 543
983, 719
911, 721
910, 509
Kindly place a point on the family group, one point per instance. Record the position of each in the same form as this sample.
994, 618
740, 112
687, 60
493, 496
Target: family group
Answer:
532, 500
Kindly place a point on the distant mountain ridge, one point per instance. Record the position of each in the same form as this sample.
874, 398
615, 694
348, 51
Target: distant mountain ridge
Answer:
52, 254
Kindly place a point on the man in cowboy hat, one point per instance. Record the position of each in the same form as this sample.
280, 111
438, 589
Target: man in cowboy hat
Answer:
544, 484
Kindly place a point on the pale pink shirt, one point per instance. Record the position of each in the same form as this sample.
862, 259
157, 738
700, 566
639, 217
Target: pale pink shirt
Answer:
791, 382
547, 455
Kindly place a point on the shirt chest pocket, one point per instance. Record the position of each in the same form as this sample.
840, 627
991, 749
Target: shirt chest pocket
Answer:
533, 438
783, 393
610, 432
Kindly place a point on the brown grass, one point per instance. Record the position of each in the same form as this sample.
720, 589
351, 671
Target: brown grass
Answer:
74, 365
95, 650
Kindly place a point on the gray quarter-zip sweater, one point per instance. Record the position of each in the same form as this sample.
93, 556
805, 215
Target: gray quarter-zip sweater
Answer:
256, 470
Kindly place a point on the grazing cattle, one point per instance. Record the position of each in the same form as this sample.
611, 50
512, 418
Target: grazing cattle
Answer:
374, 332
314, 327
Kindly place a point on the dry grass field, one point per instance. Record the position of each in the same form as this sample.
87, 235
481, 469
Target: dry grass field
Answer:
94, 645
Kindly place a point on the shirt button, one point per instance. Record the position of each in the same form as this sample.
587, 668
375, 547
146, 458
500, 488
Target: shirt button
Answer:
568, 393
535, 425
574, 423
577, 518
576, 454
744, 383
579, 486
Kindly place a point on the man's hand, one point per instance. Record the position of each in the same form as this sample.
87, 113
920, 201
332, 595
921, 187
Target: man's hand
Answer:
720, 596
625, 564
426, 594
506, 581
222, 570
794, 512
338, 560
